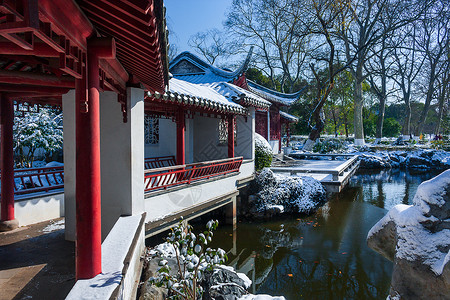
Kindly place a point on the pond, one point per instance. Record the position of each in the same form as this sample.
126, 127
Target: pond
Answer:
323, 256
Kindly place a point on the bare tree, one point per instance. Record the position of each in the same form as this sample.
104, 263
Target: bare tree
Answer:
443, 95
211, 44
269, 26
433, 41
361, 37
329, 17
408, 65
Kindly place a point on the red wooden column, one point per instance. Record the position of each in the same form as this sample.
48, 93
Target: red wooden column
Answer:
231, 125
181, 129
88, 184
7, 164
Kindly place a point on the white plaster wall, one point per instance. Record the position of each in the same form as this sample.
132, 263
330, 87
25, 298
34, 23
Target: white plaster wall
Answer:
114, 251
32, 210
189, 141
172, 202
167, 140
275, 144
206, 140
245, 139
68, 104
247, 169
122, 157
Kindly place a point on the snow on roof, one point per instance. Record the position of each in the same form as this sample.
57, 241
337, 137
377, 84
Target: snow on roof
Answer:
198, 95
274, 96
207, 73
236, 93
288, 116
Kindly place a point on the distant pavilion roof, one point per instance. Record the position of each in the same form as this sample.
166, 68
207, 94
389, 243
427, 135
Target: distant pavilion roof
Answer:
196, 70
198, 96
274, 96
240, 95
288, 117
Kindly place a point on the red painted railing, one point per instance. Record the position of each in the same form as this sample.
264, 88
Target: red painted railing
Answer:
34, 180
159, 162
162, 178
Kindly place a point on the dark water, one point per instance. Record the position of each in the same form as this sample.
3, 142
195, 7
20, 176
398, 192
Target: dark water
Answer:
323, 256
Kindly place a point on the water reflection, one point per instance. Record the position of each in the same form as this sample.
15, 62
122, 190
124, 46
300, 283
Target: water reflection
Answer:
388, 188
323, 256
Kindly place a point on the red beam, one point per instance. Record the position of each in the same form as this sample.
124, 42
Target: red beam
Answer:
231, 124
181, 128
68, 19
7, 159
32, 89
16, 77
88, 183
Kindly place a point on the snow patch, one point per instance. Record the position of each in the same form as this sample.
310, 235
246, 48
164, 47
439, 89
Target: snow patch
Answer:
247, 281
261, 297
54, 226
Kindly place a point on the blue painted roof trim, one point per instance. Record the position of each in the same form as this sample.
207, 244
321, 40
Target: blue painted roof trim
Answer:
275, 96
195, 60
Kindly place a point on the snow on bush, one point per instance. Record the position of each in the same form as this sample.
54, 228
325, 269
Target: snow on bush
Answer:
294, 194
193, 258
34, 131
263, 153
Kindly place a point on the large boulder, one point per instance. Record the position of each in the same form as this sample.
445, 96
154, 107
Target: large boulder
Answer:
223, 283
369, 161
286, 194
417, 239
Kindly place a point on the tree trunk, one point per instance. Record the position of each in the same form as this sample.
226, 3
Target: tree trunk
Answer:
315, 132
346, 125
380, 120
382, 99
426, 108
437, 130
358, 119
407, 126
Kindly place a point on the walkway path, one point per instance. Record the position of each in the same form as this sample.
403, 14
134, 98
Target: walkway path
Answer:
35, 263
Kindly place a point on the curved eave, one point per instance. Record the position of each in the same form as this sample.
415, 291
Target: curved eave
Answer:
274, 96
288, 117
197, 103
195, 60
140, 33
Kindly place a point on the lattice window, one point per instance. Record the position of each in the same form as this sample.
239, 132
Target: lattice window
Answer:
223, 132
151, 130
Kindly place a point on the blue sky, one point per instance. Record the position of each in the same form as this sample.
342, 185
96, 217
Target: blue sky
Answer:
187, 17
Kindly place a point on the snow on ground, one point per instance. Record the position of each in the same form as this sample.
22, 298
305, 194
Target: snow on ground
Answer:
54, 226
418, 159
261, 297
164, 250
54, 164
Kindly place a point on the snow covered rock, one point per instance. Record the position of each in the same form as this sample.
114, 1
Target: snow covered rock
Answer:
373, 162
223, 283
417, 238
417, 160
291, 194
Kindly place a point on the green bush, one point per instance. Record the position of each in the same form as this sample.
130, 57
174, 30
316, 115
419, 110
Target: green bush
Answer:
263, 153
391, 127
262, 159
327, 146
